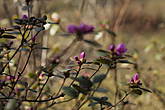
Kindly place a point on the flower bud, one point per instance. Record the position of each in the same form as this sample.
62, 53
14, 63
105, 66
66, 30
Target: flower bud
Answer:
82, 55
76, 58
121, 49
111, 47
135, 79
24, 17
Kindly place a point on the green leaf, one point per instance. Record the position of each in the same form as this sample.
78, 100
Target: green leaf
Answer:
111, 32
93, 104
84, 82
24, 49
18, 21
13, 32
21, 89
102, 90
38, 29
63, 34
82, 90
104, 60
52, 23
16, 27
103, 52
104, 98
98, 78
94, 43
107, 103
8, 36
137, 91
24, 83
125, 61
32, 90
144, 89
26, 7
73, 93
95, 98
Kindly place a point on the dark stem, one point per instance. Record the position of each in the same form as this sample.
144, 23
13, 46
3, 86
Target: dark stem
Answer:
59, 89
121, 100
42, 88
11, 58
76, 75
20, 73
94, 90
116, 85
59, 102
61, 86
96, 71
19, 59
101, 106
78, 103
40, 101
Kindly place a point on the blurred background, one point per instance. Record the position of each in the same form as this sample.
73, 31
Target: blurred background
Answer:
140, 24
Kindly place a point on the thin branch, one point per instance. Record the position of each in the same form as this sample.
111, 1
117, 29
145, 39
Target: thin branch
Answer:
40, 101
119, 101
79, 69
96, 71
42, 88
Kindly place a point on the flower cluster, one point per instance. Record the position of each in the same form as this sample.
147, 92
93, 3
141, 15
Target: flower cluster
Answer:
120, 49
135, 79
81, 29
81, 59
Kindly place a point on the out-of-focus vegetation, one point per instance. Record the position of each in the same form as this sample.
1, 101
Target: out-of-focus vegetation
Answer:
140, 24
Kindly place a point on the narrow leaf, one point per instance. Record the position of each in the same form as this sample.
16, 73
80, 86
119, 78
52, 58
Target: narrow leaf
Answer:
70, 92
94, 43
98, 78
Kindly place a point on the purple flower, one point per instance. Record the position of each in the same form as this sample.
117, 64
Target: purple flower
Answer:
121, 49
82, 55
135, 79
72, 29
81, 29
81, 59
111, 47
24, 17
10, 77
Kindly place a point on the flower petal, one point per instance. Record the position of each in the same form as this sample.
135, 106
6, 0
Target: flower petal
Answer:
72, 29
82, 55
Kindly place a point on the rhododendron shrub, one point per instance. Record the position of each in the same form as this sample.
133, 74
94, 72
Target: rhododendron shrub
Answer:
78, 80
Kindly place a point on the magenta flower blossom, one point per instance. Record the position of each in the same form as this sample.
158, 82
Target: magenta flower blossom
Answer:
24, 17
111, 47
120, 49
135, 79
77, 60
10, 78
81, 29
81, 59
82, 55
